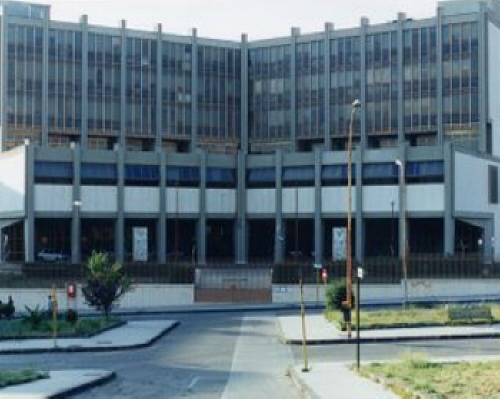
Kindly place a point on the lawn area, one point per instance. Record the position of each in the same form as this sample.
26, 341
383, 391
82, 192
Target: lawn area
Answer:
416, 377
412, 316
8, 378
19, 328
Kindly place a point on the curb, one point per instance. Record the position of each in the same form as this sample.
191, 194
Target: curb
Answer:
73, 349
353, 340
83, 387
305, 389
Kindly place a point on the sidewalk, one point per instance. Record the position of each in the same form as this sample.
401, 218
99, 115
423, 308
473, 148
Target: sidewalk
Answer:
328, 380
134, 334
320, 332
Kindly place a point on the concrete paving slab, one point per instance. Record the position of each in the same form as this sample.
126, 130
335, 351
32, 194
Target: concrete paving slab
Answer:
336, 380
319, 332
59, 384
133, 334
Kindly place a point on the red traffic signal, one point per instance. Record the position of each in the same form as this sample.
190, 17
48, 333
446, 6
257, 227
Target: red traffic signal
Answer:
324, 275
71, 290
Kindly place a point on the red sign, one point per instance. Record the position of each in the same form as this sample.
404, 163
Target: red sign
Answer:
71, 290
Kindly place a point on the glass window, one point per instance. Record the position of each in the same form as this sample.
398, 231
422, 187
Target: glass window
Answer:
98, 174
188, 176
142, 175
53, 172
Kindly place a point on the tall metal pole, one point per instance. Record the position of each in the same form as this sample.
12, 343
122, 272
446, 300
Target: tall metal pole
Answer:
404, 250
354, 107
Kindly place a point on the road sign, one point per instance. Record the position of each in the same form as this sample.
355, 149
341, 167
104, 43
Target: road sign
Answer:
318, 266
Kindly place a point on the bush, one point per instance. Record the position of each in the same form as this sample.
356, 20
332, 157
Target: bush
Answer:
7, 309
34, 317
72, 316
336, 295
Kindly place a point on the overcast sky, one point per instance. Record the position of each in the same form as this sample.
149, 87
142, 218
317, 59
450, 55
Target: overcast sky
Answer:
228, 19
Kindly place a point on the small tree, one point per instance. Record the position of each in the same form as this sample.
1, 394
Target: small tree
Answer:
106, 283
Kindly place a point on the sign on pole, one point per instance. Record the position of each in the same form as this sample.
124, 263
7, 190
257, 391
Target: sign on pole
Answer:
339, 243
140, 247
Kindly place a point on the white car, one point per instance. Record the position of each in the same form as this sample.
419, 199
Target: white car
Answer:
51, 255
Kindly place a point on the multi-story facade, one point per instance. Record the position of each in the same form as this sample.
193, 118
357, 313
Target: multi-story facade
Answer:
238, 150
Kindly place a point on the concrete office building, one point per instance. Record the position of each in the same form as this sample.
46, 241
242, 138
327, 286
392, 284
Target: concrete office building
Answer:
236, 151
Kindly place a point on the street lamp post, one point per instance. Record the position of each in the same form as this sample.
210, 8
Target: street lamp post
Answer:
404, 249
354, 108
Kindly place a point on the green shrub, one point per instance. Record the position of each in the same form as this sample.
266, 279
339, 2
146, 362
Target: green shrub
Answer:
72, 316
34, 317
336, 294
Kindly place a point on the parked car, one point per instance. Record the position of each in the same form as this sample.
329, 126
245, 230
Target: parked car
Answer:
51, 255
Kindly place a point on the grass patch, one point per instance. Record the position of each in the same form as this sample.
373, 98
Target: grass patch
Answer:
8, 378
415, 376
410, 317
84, 327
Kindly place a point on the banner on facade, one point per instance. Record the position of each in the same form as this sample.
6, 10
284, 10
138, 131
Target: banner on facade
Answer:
140, 244
339, 243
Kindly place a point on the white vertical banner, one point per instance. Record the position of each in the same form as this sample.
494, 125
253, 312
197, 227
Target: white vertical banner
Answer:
140, 244
339, 243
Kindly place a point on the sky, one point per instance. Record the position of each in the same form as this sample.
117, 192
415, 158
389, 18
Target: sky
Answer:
228, 19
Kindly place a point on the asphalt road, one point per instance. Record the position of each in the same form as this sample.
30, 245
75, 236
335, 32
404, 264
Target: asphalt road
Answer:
209, 356
224, 355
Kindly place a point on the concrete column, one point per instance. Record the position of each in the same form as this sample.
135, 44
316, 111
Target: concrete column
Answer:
402, 208
328, 34
293, 81
85, 79
280, 235
202, 221
241, 223
162, 222
483, 76
244, 93
123, 88
120, 214
401, 121
29, 221
361, 113
3, 78
439, 73
45, 81
359, 242
159, 55
318, 221
76, 205
194, 92
449, 202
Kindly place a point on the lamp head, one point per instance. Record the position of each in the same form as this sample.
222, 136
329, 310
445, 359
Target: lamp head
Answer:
398, 162
356, 104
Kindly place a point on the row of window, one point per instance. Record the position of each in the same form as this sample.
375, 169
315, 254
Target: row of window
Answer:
149, 175
134, 175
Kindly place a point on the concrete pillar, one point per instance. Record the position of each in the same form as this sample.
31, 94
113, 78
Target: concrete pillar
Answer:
328, 33
241, 223
85, 79
76, 205
361, 113
120, 215
401, 121
318, 221
439, 73
449, 202
29, 221
45, 81
279, 237
194, 91
159, 56
244, 93
293, 81
123, 88
202, 221
162, 222
359, 241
